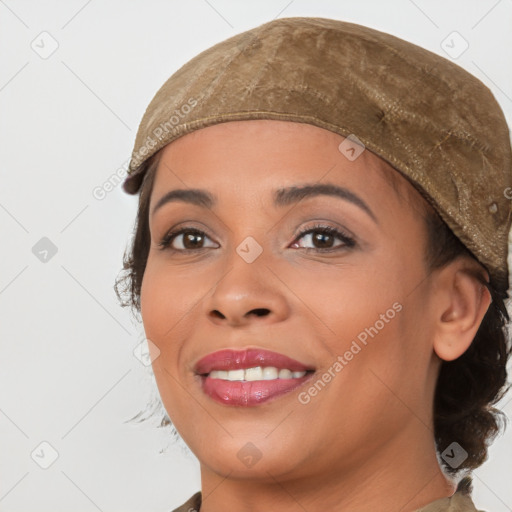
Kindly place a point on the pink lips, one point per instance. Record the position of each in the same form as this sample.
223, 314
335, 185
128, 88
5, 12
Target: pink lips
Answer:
249, 358
248, 393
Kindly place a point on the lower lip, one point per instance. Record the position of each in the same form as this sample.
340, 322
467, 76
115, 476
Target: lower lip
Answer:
249, 394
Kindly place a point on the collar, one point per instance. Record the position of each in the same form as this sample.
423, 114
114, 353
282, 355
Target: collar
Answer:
459, 502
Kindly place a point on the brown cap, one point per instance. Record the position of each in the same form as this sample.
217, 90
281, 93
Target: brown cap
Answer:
434, 122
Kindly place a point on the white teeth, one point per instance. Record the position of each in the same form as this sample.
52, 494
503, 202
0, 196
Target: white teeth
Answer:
285, 374
270, 373
236, 374
256, 373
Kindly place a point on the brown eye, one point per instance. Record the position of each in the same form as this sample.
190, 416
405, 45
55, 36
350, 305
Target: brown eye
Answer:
185, 239
192, 240
324, 238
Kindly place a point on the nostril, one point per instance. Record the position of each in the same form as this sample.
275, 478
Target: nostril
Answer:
257, 312
260, 311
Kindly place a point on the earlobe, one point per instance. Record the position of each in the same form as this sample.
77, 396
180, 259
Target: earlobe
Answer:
465, 300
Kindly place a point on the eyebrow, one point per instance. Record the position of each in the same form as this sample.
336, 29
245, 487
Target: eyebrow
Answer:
282, 197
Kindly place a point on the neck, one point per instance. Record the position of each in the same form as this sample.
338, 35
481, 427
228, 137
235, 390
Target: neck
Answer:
403, 476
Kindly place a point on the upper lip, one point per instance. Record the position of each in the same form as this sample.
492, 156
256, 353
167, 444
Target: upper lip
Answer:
229, 359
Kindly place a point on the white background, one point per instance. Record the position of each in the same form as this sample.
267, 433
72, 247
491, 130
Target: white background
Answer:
67, 123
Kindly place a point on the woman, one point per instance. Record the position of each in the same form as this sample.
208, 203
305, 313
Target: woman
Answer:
320, 263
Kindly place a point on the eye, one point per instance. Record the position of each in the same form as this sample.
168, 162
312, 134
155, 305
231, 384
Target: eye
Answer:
184, 239
323, 239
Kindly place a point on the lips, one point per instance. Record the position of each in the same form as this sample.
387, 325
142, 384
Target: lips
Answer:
249, 358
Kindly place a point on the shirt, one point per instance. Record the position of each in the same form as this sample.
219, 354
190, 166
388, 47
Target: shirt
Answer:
459, 502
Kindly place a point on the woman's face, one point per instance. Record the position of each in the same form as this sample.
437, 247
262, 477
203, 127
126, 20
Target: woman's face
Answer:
353, 306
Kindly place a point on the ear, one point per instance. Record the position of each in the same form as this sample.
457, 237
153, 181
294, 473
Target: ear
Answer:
461, 301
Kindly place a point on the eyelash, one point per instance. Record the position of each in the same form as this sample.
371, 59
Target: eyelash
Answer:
348, 242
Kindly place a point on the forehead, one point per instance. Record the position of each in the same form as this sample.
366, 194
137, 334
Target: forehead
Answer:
248, 160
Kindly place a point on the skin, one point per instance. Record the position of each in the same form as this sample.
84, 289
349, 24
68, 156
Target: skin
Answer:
365, 441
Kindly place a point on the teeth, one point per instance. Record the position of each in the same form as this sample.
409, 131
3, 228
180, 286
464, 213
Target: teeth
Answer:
235, 374
253, 373
256, 373
285, 374
269, 373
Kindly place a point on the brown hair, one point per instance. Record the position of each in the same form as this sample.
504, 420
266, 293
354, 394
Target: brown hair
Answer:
467, 388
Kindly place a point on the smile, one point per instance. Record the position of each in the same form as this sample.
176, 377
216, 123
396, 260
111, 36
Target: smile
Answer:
250, 377
256, 373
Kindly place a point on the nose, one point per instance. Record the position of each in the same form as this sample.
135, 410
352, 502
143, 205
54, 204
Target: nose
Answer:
247, 293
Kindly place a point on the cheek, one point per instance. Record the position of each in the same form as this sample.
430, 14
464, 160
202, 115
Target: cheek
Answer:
164, 304
349, 299
368, 314
167, 297
161, 311
153, 302
171, 298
